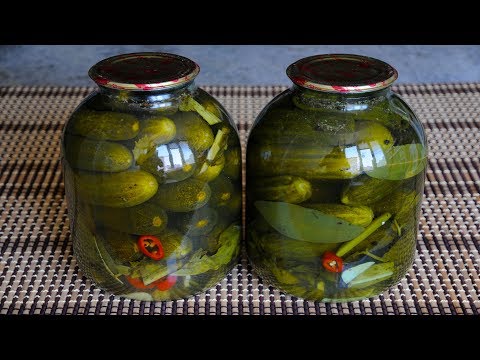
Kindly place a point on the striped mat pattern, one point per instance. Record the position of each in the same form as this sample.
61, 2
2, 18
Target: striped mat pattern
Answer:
39, 273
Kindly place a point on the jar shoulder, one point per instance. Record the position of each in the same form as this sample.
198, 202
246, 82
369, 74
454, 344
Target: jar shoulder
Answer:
293, 113
112, 110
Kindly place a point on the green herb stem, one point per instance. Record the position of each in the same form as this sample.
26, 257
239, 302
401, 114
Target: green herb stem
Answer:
214, 149
190, 104
345, 248
369, 254
397, 227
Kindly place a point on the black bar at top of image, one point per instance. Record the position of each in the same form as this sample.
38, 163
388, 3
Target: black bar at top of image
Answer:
360, 23
235, 37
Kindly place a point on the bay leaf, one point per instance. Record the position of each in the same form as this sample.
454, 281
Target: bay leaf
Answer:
399, 162
305, 224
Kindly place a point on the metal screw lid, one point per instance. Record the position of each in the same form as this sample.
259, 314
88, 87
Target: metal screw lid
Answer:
144, 71
342, 73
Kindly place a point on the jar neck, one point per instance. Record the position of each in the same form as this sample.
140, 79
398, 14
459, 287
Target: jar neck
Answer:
152, 99
308, 98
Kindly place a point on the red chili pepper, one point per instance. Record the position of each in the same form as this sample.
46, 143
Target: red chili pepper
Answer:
162, 284
332, 262
138, 283
166, 283
151, 246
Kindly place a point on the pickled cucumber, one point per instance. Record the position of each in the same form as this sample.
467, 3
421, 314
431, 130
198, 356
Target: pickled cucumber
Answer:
212, 171
282, 126
143, 219
104, 125
291, 189
356, 215
369, 135
175, 243
120, 190
199, 222
172, 162
192, 128
159, 130
233, 162
122, 246
402, 252
183, 196
365, 190
212, 108
325, 191
301, 160
400, 204
222, 191
232, 208
86, 154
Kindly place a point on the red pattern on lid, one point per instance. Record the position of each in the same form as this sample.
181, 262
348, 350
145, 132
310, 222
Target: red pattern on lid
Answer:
144, 87
342, 73
144, 71
101, 81
339, 88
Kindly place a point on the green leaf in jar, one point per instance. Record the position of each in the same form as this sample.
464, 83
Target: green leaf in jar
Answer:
399, 162
304, 224
354, 271
151, 271
229, 241
373, 275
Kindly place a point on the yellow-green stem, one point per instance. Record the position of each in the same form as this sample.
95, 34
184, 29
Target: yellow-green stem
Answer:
369, 254
345, 248
397, 227
215, 149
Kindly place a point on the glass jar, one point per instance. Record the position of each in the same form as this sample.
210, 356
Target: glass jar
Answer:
335, 176
152, 169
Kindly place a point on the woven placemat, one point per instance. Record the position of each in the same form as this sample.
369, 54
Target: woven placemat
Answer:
39, 274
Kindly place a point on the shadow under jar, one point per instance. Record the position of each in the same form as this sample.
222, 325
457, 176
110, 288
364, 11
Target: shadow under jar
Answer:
152, 169
335, 176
